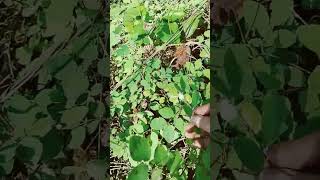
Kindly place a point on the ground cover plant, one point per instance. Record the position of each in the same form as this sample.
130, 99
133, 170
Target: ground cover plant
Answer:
159, 74
53, 68
266, 77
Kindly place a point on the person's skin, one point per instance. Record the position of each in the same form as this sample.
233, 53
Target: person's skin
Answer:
293, 160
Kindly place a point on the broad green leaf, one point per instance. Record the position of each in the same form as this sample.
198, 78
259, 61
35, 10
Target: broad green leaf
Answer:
103, 67
196, 99
96, 89
297, 78
166, 113
7, 152
6, 167
78, 135
308, 36
286, 38
56, 22
170, 134
158, 123
140, 148
281, 11
23, 54
233, 72
74, 116
50, 150
314, 80
175, 162
74, 82
140, 172
18, 102
275, 109
251, 115
41, 127
30, 150
180, 124
161, 155
249, 153
122, 51
256, 17
91, 4
43, 98
156, 174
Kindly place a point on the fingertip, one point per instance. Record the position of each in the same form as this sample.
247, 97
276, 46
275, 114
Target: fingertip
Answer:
202, 110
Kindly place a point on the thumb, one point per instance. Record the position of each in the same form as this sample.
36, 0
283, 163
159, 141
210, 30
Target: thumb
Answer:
202, 122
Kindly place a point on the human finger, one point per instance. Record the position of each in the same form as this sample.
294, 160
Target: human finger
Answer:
280, 174
202, 122
203, 110
201, 142
302, 154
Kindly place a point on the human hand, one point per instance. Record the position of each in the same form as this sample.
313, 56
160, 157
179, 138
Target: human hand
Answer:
294, 160
200, 119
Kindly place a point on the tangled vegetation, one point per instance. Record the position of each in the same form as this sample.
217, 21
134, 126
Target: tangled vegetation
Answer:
266, 78
160, 73
53, 70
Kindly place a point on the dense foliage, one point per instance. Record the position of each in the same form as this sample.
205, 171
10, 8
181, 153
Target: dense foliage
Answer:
152, 98
52, 78
266, 78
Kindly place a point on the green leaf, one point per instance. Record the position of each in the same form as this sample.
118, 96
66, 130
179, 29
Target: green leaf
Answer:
97, 169
103, 67
50, 150
286, 38
233, 72
156, 174
314, 80
308, 36
96, 89
243, 147
158, 123
139, 173
41, 127
251, 115
92, 4
30, 150
196, 99
175, 162
18, 102
180, 124
74, 116
256, 16
43, 98
275, 109
161, 155
74, 82
6, 167
166, 113
7, 151
140, 148
56, 22
122, 51
170, 134
190, 25
78, 135
23, 54
281, 11
297, 78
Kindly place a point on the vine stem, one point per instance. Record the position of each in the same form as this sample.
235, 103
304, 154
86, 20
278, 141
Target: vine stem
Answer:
299, 17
